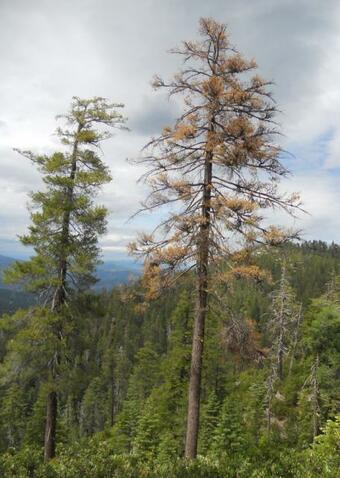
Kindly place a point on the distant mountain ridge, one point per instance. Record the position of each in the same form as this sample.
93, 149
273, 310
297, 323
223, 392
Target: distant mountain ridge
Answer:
6, 261
11, 298
109, 274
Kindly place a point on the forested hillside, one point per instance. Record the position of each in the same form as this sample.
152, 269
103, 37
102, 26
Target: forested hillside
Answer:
125, 377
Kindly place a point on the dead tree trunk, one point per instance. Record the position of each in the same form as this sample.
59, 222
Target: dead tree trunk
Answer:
51, 425
296, 339
201, 312
315, 397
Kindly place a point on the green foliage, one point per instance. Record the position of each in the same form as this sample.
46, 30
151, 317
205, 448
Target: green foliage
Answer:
12, 415
323, 328
65, 221
22, 464
323, 459
124, 377
146, 441
209, 422
229, 440
64, 230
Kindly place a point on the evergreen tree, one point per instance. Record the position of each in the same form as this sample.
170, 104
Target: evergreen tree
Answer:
65, 225
147, 439
209, 422
13, 415
324, 457
229, 437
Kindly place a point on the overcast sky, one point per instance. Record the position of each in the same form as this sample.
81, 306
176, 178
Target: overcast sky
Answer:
51, 50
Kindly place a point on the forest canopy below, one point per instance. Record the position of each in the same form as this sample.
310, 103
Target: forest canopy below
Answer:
125, 375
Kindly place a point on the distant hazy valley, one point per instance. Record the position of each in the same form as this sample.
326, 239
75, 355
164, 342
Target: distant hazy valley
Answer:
110, 274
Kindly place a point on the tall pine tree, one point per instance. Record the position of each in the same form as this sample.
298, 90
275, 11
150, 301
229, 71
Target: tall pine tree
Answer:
215, 169
65, 225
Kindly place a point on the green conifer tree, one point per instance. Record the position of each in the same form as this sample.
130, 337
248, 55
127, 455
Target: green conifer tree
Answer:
210, 415
229, 436
147, 440
65, 225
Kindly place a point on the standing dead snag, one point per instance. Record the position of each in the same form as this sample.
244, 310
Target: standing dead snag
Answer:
313, 386
285, 323
296, 334
209, 169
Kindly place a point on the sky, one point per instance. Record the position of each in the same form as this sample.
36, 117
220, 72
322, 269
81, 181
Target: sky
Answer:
51, 51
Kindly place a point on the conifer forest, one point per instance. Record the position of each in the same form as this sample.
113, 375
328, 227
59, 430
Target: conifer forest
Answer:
217, 353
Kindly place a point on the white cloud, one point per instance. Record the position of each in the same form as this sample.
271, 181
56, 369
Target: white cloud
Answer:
50, 51
320, 195
333, 150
